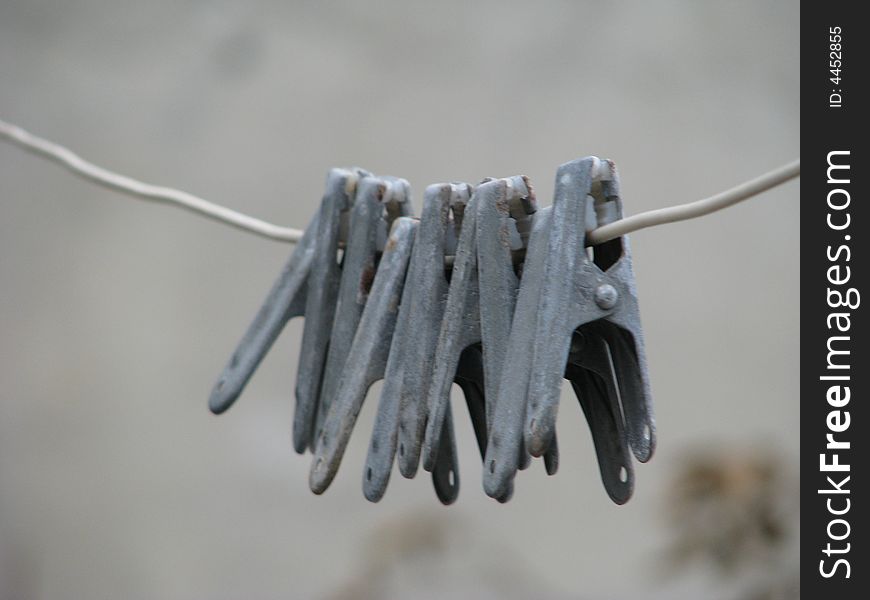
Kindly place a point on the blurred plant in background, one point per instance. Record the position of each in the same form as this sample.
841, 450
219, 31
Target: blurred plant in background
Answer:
736, 510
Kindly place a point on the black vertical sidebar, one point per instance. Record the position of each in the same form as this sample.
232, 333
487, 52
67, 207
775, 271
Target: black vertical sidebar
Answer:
835, 225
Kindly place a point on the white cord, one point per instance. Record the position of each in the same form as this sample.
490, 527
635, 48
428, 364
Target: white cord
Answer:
79, 166
699, 208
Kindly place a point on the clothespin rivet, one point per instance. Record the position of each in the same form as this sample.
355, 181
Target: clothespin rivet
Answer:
606, 296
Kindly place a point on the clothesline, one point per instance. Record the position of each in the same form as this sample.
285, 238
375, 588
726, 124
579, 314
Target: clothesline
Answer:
121, 183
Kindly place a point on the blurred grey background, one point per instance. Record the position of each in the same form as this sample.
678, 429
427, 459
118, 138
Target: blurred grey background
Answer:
116, 315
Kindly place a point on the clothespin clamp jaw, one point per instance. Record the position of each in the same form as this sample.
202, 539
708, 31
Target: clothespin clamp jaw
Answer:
394, 199
519, 210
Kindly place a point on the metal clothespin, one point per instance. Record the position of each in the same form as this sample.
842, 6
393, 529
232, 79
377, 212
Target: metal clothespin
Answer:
428, 281
379, 201
323, 286
367, 359
504, 228
564, 293
409, 363
484, 291
480, 304
288, 297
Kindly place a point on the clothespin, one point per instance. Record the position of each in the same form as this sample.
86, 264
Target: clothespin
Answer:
484, 291
379, 201
480, 303
409, 364
572, 292
367, 359
288, 297
321, 300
